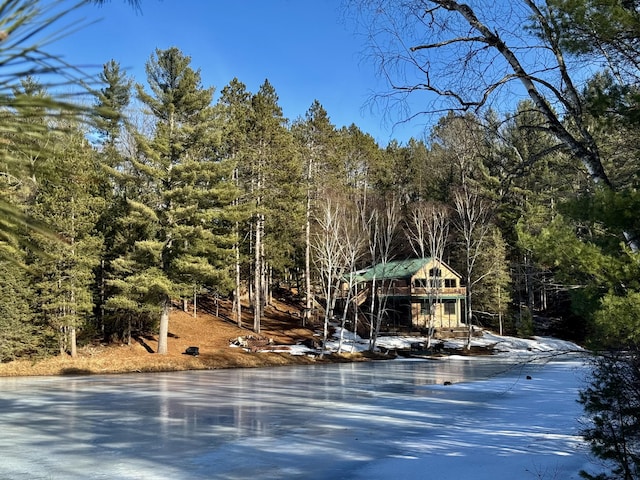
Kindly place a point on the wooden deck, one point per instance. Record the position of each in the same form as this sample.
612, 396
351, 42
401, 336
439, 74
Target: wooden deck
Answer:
421, 291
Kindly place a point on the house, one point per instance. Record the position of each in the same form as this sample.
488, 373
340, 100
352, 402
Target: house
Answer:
412, 292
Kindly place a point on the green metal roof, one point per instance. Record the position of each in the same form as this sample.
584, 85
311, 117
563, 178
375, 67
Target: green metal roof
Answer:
393, 269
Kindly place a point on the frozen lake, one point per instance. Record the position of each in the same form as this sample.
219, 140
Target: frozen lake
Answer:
367, 420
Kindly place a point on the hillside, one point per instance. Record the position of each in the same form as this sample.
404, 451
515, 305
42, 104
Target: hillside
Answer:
211, 334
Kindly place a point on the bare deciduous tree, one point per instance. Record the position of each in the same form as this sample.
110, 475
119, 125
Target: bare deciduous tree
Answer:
473, 224
428, 231
354, 240
382, 224
471, 56
328, 246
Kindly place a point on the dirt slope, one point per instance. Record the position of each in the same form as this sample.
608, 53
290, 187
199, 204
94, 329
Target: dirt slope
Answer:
210, 333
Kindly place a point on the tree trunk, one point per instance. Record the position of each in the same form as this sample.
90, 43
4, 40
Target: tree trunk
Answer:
307, 259
500, 310
372, 312
577, 140
327, 314
195, 303
345, 311
103, 295
257, 276
164, 327
469, 313
355, 315
62, 343
72, 342
236, 296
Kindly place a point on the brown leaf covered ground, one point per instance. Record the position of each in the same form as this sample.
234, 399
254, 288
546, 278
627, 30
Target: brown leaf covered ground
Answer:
211, 334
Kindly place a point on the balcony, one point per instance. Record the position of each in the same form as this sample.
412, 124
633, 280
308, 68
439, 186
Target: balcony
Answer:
421, 291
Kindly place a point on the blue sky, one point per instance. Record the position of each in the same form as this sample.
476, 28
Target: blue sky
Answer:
307, 49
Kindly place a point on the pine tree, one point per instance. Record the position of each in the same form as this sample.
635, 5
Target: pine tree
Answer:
273, 179
20, 333
360, 166
67, 199
234, 111
112, 101
316, 138
26, 35
181, 212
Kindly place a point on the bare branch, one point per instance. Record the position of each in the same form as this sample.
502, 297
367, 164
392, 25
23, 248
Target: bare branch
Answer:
447, 42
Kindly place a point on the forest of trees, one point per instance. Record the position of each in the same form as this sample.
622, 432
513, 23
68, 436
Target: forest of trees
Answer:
164, 190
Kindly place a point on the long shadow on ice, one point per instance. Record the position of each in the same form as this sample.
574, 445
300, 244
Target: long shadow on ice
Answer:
290, 422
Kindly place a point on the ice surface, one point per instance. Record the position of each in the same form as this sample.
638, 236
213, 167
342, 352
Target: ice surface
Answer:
392, 419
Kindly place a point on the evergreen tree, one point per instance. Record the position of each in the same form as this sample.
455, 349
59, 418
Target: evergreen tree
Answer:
111, 102
67, 199
493, 297
528, 178
612, 402
181, 211
20, 333
26, 36
274, 180
415, 174
315, 136
234, 110
361, 166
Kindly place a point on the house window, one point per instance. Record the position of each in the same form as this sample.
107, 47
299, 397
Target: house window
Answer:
420, 283
449, 307
424, 308
435, 278
450, 283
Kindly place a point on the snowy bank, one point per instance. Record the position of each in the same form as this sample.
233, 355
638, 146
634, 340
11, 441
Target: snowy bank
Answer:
500, 345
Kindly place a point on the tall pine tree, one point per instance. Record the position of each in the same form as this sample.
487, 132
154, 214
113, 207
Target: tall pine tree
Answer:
186, 239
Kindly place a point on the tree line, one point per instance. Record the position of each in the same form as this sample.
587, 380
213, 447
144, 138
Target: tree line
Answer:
182, 195
176, 195
164, 190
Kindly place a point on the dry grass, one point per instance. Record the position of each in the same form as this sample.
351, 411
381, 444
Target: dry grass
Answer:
208, 332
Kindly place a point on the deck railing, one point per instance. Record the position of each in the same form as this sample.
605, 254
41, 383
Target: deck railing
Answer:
420, 291
391, 291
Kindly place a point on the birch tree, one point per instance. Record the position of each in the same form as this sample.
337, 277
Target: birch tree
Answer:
464, 57
428, 231
473, 224
383, 223
328, 246
354, 248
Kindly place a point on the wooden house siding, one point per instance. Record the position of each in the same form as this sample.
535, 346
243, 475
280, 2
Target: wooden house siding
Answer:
410, 285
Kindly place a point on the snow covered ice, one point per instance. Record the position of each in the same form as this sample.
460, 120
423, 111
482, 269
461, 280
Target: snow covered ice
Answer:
379, 420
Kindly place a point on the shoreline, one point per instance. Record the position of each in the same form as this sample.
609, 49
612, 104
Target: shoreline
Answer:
153, 363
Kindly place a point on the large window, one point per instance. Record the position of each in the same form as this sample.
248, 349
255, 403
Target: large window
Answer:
420, 282
449, 307
450, 283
